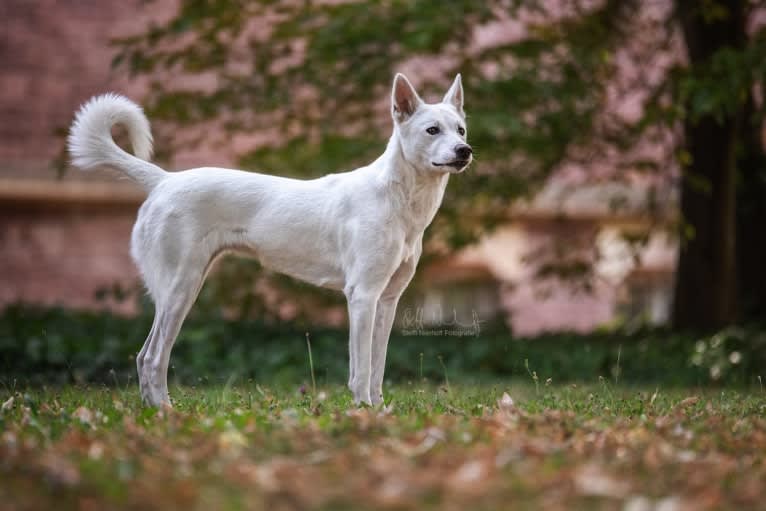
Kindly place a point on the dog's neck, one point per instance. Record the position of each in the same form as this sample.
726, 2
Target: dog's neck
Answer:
418, 192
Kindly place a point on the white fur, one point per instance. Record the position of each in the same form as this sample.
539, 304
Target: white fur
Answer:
360, 232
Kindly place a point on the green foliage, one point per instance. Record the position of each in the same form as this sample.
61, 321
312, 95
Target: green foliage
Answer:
318, 74
332, 153
39, 346
724, 352
718, 87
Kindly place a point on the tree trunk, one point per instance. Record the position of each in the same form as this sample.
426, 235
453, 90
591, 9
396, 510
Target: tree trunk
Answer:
751, 218
706, 282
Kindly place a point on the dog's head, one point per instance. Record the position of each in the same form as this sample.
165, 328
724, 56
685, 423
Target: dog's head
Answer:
433, 136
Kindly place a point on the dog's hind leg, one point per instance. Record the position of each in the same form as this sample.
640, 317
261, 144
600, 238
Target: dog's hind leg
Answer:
351, 361
171, 310
141, 358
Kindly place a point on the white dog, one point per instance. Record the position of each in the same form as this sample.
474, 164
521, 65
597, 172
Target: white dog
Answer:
360, 232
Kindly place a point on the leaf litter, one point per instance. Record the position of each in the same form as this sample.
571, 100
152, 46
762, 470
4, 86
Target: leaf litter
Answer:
82, 448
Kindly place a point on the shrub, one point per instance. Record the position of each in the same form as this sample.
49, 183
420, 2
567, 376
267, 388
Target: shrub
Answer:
39, 346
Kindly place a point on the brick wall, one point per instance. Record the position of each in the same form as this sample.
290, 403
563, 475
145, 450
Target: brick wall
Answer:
54, 54
62, 257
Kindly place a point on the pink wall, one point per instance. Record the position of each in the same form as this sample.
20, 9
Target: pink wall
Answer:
56, 257
54, 55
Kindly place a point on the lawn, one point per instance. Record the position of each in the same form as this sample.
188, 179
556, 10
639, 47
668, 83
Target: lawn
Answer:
527, 445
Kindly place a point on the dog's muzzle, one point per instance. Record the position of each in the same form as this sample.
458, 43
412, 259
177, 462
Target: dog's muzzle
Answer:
463, 154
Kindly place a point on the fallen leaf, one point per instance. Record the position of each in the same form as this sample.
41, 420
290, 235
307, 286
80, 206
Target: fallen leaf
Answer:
593, 480
231, 442
638, 503
468, 474
60, 470
668, 504
689, 401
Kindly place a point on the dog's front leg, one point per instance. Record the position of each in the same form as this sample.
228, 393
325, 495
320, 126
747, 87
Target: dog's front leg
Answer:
384, 320
361, 315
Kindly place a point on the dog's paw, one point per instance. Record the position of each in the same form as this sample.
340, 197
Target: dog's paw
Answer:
362, 399
155, 398
377, 399
363, 403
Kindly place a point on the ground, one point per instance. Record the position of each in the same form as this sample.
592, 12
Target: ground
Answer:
509, 446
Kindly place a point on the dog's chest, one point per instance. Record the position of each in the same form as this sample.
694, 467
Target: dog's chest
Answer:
419, 208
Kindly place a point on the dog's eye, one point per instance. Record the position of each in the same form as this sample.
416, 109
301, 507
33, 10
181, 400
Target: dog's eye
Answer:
433, 130
461, 130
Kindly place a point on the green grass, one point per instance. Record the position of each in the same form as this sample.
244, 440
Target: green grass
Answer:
248, 446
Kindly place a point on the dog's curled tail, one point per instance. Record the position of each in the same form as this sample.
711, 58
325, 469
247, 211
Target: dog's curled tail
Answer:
90, 141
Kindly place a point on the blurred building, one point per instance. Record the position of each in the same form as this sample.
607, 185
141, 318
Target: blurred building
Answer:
65, 239
624, 281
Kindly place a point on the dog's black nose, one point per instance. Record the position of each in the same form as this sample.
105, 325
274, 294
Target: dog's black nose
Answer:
463, 151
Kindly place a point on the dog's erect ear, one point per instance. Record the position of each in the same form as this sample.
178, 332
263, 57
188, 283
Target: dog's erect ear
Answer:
454, 95
404, 99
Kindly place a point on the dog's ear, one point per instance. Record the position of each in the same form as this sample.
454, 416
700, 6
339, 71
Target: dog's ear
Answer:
404, 99
454, 95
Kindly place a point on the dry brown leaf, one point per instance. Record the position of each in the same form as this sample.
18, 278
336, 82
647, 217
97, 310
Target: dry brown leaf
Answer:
60, 470
689, 401
594, 480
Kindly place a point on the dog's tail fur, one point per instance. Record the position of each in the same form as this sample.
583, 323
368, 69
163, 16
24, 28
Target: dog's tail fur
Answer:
90, 141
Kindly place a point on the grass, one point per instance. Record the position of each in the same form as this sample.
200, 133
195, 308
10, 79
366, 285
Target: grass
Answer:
511, 446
